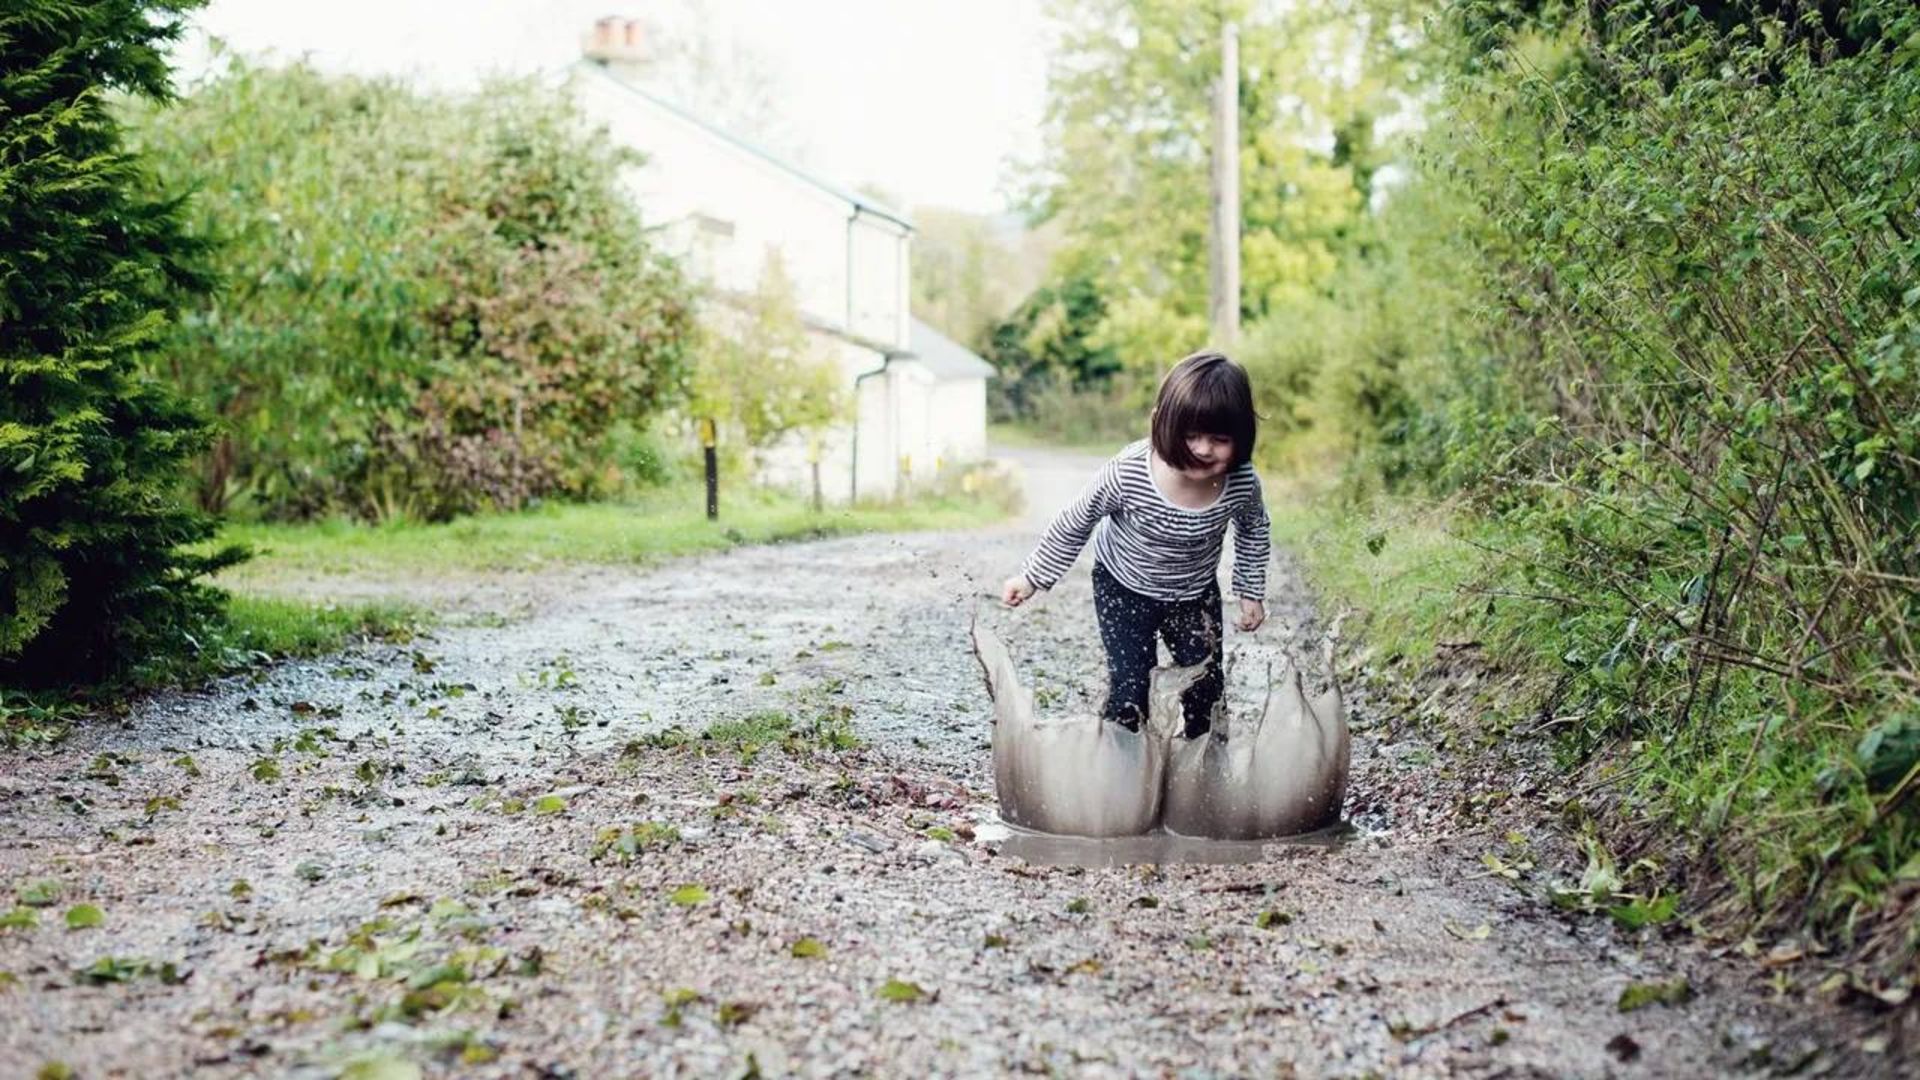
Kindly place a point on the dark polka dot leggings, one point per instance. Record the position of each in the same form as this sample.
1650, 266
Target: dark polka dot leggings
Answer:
1129, 623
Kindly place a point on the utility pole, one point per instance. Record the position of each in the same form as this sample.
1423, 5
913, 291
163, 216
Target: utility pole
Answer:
1224, 304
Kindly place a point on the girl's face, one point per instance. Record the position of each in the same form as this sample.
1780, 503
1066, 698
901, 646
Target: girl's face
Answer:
1214, 454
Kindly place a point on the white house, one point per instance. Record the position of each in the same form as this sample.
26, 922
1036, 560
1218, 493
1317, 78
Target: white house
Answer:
950, 384
726, 206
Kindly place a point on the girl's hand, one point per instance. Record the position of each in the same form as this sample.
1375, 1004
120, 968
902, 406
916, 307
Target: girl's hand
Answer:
1252, 614
1016, 591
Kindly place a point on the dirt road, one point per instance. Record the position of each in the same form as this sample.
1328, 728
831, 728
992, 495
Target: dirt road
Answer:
492, 852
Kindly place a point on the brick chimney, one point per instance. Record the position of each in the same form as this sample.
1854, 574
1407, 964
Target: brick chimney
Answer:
615, 40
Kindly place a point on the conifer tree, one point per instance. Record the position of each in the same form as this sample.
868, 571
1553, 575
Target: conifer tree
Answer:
94, 577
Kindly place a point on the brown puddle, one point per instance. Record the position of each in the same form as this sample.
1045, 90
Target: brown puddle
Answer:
1159, 846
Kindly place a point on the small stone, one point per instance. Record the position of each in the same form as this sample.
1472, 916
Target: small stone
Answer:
879, 845
1624, 1047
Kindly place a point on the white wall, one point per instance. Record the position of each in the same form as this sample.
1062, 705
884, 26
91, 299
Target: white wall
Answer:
944, 422
958, 427
879, 251
690, 174
723, 209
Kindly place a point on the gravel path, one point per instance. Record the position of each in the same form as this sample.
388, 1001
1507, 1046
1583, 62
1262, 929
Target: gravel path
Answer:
502, 850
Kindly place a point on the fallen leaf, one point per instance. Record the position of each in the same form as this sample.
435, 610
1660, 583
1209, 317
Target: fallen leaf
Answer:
896, 990
1642, 994
380, 1068
689, 895
84, 916
807, 948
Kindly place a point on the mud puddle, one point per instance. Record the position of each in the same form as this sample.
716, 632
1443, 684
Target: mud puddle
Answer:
1157, 848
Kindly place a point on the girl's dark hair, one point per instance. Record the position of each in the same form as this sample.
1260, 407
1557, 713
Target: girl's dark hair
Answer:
1205, 394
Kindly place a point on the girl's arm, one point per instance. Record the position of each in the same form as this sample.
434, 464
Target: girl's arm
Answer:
1072, 526
1252, 546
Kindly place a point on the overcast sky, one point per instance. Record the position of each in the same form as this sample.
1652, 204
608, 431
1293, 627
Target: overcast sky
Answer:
928, 99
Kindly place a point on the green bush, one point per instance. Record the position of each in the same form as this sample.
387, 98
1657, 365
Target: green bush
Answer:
91, 568
1683, 376
431, 304
1045, 349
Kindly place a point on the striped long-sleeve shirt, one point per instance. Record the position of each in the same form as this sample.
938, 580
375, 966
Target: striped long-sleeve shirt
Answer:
1152, 546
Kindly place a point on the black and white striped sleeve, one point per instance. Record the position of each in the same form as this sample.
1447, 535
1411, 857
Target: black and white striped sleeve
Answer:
1071, 528
1252, 545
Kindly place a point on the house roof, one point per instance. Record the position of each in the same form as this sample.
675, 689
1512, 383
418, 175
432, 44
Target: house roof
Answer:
851, 198
943, 356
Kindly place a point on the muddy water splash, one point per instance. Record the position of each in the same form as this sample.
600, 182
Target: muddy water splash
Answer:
1281, 773
1077, 774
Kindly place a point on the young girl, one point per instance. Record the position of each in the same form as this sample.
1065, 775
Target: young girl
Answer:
1162, 506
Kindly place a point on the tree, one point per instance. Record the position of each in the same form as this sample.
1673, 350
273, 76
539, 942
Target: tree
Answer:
1125, 166
92, 568
1046, 345
1128, 133
757, 374
970, 271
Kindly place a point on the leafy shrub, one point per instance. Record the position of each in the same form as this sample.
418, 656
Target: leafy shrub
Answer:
1045, 348
1685, 377
92, 570
432, 304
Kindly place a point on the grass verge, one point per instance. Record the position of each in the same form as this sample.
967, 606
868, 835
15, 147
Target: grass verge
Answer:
1396, 564
1739, 823
657, 526
261, 629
